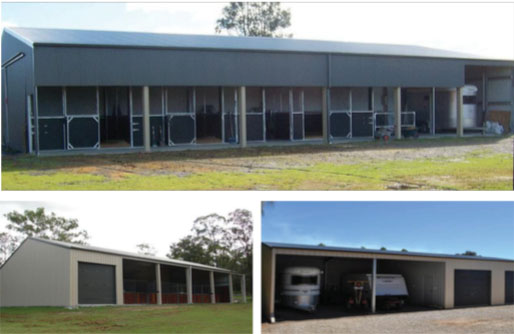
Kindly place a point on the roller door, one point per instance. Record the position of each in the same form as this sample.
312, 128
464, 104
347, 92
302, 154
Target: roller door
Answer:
472, 287
509, 287
96, 284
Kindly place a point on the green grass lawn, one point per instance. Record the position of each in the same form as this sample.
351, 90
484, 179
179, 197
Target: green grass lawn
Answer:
220, 318
476, 169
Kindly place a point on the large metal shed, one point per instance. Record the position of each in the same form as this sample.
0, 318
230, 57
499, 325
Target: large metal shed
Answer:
433, 280
50, 273
72, 90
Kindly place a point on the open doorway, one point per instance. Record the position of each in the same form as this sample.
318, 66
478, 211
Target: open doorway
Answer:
277, 113
208, 115
114, 117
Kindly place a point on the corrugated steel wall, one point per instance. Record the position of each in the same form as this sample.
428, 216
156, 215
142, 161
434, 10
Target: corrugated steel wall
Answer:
37, 274
80, 66
497, 269
132, 66
19, 79
268, 281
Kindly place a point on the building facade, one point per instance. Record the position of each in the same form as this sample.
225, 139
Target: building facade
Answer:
70, 90
51, 273
432, 280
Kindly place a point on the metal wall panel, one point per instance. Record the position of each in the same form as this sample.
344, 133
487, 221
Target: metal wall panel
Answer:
254, 127
340, 125
181, 129
83, 132
37, 274
497, 269
126, 66
17, 83
52, 134
357, 70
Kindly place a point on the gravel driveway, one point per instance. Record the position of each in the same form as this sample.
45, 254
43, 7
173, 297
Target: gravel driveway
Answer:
492, 319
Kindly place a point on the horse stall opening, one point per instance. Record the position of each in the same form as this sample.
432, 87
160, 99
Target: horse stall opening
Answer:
313, 118
201, 287
173, 285
114, 117
416, 109
278, 113
139, 282
221, 288
254, 114
208, 115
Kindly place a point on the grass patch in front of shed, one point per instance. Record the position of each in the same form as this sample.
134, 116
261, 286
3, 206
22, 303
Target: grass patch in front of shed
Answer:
434, 164
206, 318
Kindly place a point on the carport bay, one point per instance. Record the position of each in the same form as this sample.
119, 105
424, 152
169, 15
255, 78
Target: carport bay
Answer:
430, 278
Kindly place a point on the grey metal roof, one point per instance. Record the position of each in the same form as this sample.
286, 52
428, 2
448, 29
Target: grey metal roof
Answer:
65, 37
377, 251
127, 254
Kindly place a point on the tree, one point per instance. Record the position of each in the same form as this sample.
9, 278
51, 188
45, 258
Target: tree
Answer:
8, 244
404, 250
468, 253
219, 241
321, 244
37, 223
191, 249
383, 248
266, 19
146, 249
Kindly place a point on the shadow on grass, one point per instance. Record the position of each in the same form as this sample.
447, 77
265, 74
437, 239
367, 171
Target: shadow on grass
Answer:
77, 159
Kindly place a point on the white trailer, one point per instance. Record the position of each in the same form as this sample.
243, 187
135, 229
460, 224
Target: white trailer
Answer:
300, 288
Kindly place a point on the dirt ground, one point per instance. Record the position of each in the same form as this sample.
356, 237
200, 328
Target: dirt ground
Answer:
492, 319
183, 163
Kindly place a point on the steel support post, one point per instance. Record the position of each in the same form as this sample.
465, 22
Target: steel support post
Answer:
146, 118
460, 108
230, 288
374, 287
158, 283
398, 112
243, 288
432, 113
189, 284
213, 290
324, 114
242, 115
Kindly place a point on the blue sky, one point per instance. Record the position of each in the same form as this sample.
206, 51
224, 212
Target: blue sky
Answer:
449, 26
441, 227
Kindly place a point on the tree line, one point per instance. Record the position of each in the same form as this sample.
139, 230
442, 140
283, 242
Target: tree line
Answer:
214, 239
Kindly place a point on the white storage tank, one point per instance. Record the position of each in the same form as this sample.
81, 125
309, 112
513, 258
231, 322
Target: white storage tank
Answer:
446, 108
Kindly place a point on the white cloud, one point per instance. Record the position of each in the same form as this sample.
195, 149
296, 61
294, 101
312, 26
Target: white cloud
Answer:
486, 29
7, 24
197, 12
121, 220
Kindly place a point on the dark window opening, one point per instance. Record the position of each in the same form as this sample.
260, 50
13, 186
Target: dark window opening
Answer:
299, 280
